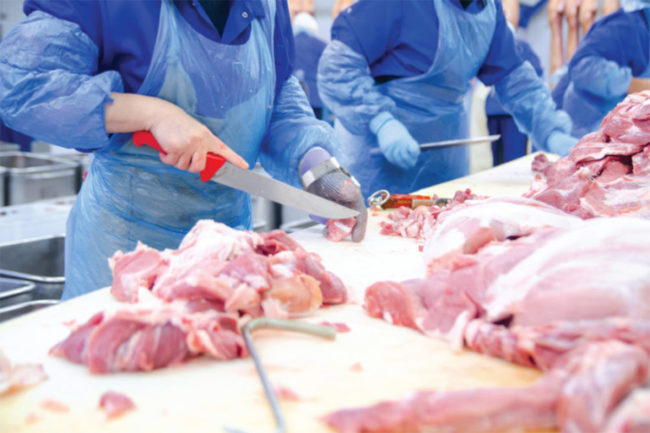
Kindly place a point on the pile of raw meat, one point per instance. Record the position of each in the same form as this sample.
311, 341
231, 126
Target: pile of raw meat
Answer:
216, 279
542, 281
608, 172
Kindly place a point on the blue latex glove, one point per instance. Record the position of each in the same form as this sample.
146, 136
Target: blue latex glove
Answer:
321, 178
560, 142
395, 141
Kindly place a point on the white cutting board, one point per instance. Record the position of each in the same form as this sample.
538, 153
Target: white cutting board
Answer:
204, 395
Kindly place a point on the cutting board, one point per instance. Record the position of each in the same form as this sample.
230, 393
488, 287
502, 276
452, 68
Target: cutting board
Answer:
373, 362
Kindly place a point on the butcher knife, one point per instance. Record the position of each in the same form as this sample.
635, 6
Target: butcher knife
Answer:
448, 143
218, 170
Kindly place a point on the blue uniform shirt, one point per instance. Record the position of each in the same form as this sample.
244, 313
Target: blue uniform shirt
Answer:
622, 37
400, 38
492, 104
125, 31
308, 51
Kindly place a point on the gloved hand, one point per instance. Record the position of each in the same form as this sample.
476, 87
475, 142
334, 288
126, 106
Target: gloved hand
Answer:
395, 141
560, 143
321, 175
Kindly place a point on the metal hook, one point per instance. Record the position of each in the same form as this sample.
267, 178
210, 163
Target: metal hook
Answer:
285, 325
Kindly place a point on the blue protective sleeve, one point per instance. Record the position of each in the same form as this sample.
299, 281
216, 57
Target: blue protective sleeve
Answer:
528, 99
620, 37
48, 89
348, 90
601, 77
293, 131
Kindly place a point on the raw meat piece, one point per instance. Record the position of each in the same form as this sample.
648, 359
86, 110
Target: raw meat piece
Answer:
54, 405
633, 415
613, 162
600, 376
285, 393
473, 224
337, 230
541, 346
561, 395
138, 268
445, 302
146, 339
17, 377
115, 403
565, 285
415, 223
339, 326
231, 271
276, 241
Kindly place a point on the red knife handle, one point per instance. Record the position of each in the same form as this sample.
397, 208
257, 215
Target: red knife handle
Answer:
213, 162
406, 200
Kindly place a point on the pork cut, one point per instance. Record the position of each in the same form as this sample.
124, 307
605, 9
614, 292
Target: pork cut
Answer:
578, 394
234, 271
144, 339
608, 172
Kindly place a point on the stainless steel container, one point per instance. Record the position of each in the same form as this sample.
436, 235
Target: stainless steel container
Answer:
32, 177
11, 311
3, 181
10, 287
39, 261
9, 147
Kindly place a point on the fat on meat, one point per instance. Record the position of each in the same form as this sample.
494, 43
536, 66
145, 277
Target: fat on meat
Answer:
139, 339
472, 225
633, 415
558, 280
573, 395
115, 403
18, 376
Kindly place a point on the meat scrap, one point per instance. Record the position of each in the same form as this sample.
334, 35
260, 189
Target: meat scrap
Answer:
339, 326
573, 395
234, 270
115, 403
608, 172
415, 223
140, 339
16, 377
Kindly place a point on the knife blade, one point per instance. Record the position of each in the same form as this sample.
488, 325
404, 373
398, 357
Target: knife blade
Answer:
447, 143
218, 170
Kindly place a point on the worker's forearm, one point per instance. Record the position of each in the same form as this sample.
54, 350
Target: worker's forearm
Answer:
131, 112
638, 85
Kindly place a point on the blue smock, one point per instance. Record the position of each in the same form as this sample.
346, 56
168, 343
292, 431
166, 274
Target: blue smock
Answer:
415, 59
308, 51
129, 194
616, 49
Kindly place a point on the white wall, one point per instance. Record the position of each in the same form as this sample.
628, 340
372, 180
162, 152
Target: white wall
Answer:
11, 11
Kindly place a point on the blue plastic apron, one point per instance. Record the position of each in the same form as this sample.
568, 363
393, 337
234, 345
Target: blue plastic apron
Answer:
129, 194
430, 105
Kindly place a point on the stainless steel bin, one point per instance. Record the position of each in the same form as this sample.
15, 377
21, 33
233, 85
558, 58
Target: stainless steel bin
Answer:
11, 311
32, 177
39, 261
3, 182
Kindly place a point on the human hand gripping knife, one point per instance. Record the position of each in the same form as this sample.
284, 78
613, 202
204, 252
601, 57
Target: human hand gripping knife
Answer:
217, 169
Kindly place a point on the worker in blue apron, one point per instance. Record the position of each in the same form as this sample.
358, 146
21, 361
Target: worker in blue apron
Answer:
512, 143
395, 77
201, 76
614, 53
309, 48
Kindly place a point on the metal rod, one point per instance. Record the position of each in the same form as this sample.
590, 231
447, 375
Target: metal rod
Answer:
285, 325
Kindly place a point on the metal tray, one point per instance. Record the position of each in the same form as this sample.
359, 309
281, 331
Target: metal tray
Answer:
40, 261
16, 310
10, 287
31, 177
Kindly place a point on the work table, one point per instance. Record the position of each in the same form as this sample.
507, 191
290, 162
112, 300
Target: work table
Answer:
374, 361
